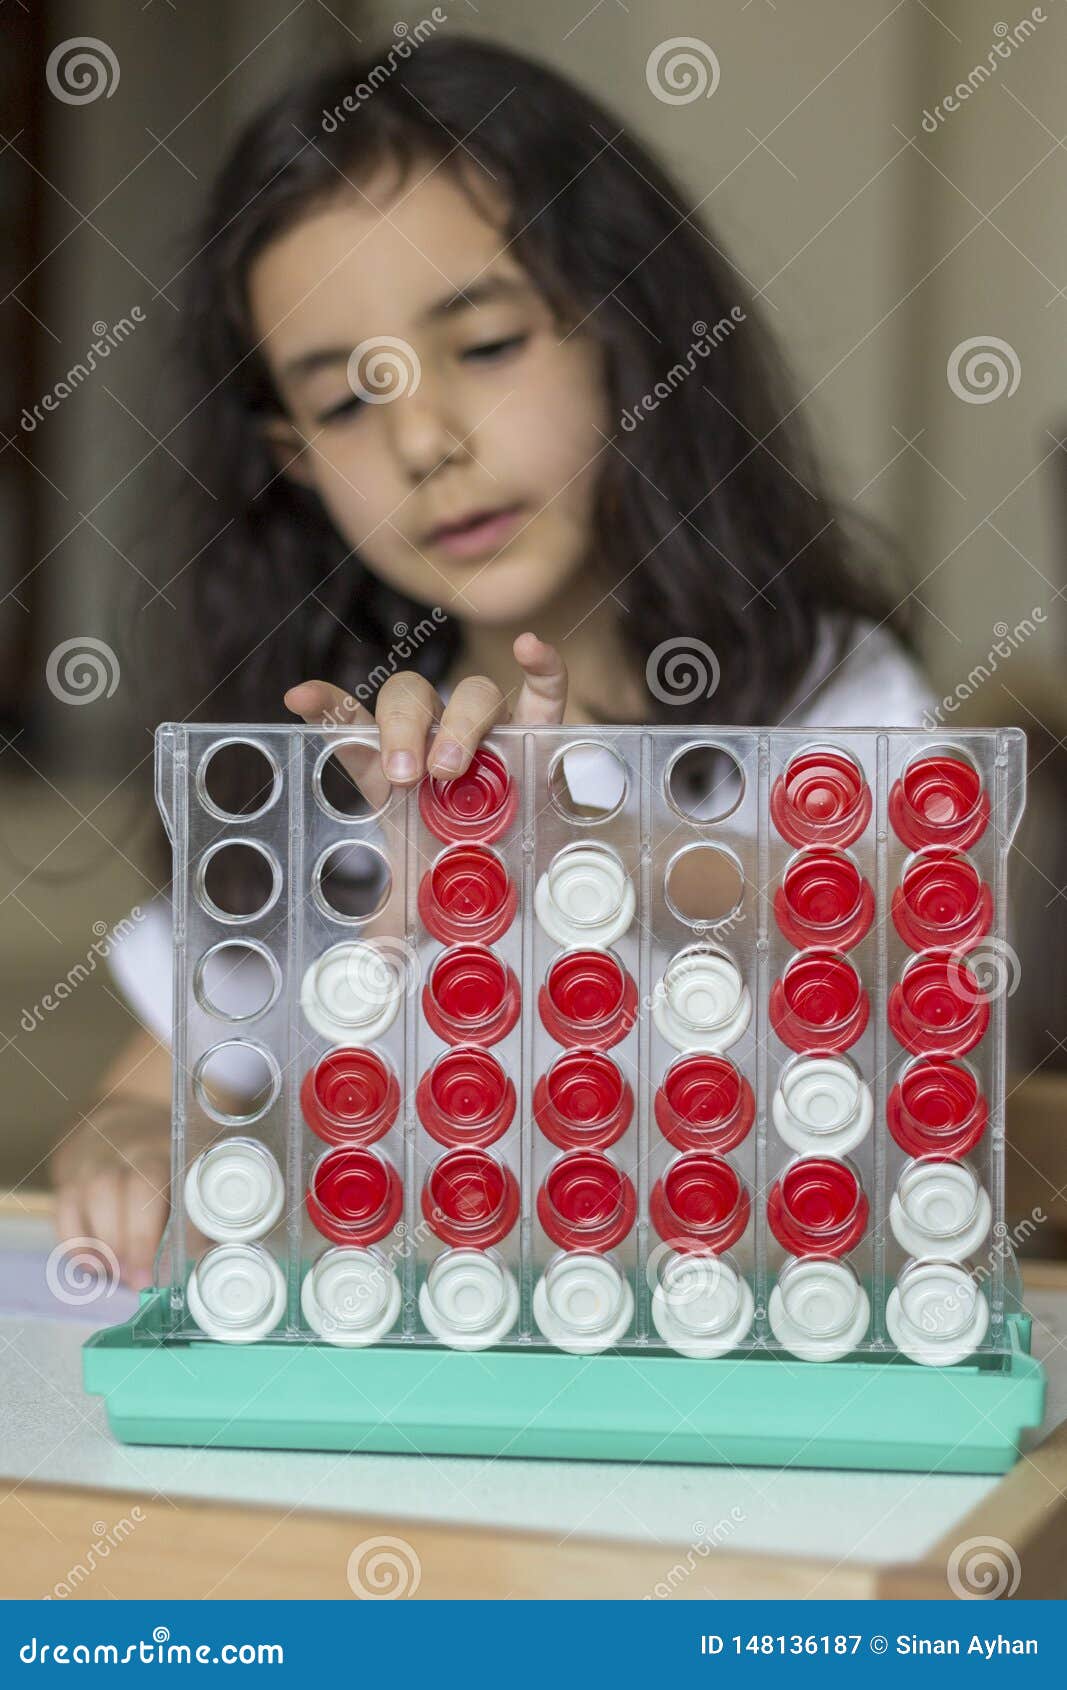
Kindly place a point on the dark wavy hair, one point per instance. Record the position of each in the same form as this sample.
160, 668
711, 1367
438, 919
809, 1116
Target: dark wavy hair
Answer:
712, 509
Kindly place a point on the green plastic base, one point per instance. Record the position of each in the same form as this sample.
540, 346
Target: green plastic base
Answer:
757, 1411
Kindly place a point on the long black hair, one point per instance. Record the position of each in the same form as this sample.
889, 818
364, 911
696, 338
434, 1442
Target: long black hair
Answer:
711, 506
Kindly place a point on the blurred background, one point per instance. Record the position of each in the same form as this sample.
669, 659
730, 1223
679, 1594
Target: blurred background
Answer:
890, 183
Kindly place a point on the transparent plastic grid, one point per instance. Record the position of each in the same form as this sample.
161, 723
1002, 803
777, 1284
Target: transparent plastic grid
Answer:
763, 885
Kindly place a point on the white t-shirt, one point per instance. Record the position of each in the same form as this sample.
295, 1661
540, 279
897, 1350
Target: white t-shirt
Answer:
875, 685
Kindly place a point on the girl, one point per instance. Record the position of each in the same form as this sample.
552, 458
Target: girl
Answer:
461, 361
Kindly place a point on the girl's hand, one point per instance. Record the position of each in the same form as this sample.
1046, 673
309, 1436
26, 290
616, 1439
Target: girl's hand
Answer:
407, 707
112, 1177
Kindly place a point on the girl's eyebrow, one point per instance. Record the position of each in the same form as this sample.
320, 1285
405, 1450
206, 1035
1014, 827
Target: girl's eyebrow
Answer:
482, 291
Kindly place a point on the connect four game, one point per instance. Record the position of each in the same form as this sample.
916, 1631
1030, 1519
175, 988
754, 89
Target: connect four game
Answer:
638, 1094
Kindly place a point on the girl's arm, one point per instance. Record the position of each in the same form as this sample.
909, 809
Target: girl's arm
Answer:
112, 1170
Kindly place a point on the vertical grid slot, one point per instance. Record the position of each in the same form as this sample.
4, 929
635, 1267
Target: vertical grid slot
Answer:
1002, 832
409, 1070
760, 1328
642, 1290
526, 1038
883, 928
289, 1058
178, 771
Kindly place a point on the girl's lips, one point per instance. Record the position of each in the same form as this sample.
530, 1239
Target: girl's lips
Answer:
477, 537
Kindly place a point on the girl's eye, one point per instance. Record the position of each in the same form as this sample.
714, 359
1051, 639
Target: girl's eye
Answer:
494, 348
346, 408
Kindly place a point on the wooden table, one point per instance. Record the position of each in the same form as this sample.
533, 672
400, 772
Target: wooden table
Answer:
83, 1515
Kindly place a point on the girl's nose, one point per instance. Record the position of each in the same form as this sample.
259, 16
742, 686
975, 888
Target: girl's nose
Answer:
424, 434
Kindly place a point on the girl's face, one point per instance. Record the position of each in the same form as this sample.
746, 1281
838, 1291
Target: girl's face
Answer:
489, 408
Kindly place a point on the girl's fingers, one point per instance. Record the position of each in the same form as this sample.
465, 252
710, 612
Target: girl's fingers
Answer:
543, 695
476, 706
145, 1201
103, 1210
406, 709
69, 1222
321, 704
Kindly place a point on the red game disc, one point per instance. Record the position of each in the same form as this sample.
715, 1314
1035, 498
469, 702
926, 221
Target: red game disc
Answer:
824, 900
479, 804
942, 901
465, 1097
354, 1196
583, 1101
817, 1207
586, 1202
470, 1198
471, 996
821, 799
588, 999
704, 1103
939, 800
936, 1109
467, 895
819, 1003
351, 1096
937, 1006
700, 1204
